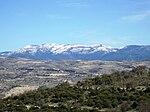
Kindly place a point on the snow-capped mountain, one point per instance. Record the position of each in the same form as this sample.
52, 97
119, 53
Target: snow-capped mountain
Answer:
65, 49
6, 53
81, 52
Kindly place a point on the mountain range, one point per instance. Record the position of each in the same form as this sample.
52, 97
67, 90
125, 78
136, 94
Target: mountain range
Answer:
80, 52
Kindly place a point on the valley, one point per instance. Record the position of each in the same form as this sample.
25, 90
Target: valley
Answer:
18, 75
127, 91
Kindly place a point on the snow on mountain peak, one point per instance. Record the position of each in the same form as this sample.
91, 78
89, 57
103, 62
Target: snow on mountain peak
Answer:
65, 48
80, 52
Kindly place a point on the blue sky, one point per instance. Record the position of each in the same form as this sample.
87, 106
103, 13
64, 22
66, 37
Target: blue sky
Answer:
114, 23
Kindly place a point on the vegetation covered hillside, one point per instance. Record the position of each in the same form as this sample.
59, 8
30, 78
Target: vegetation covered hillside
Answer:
118, 92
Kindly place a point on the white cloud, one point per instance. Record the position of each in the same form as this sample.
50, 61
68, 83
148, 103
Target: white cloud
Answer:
137, 17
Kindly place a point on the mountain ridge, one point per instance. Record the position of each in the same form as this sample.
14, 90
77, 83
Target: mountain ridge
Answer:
81, 52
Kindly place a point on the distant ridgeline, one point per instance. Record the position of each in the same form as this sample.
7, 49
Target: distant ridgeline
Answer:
81, 52
118, 92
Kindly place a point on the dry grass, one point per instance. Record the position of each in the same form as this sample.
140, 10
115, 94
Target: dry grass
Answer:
19, 90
